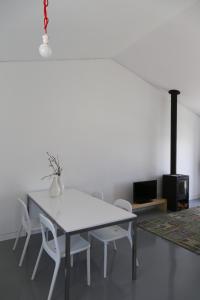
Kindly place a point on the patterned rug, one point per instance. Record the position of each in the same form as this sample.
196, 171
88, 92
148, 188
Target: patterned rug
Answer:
181, 228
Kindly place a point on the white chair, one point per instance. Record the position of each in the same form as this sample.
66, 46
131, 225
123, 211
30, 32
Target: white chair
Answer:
113, 233
29, 225
55, 248
99, 195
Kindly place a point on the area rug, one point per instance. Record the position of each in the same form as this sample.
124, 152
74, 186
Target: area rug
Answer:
181, 228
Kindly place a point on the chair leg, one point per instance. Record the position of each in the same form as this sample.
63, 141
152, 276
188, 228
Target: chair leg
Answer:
105, 259
17, 237
131, 242
53, 280
88, 267
114, 245
37, 263
72, 261
25, 248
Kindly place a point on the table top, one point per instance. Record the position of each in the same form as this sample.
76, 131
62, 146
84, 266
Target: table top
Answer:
75, 211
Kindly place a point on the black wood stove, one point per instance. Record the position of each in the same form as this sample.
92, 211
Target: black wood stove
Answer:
175, 186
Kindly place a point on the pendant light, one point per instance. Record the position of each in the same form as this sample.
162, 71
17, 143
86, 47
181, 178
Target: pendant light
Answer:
44, 49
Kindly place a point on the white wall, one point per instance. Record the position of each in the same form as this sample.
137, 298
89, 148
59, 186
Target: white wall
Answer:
109, 127
188, 148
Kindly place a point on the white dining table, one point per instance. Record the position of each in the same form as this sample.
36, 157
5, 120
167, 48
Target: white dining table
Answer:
75, 212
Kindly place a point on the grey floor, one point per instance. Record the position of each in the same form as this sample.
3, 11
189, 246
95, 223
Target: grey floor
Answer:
166, 272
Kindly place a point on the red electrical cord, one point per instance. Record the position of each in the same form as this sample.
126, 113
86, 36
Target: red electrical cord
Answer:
46, 19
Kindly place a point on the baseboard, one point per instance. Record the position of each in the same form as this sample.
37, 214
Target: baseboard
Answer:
12, 235
7, 236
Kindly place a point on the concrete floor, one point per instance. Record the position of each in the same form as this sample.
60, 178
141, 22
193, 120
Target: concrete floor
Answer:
166, 272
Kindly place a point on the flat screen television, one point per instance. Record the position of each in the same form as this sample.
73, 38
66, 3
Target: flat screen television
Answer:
144, 191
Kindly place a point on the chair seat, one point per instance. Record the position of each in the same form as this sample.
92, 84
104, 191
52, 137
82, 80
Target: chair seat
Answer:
110, 233
35, 225
77, 244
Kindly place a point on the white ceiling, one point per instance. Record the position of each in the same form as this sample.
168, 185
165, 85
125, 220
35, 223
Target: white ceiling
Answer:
157, 39
80, 28
169, 56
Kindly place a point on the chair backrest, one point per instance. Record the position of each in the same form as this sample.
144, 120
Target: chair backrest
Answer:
47, 225
124, 204
26, 222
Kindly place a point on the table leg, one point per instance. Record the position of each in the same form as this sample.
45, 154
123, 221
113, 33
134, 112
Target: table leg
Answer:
134, 249
67, 265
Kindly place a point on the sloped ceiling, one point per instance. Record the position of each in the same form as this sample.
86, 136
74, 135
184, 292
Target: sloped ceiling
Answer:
169, 56
157, 39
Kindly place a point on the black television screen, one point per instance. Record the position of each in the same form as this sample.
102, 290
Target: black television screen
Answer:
144, 191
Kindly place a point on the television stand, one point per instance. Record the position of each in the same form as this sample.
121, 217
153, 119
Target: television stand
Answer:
161, 203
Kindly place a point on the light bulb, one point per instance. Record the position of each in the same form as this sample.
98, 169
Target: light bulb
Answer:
44, 49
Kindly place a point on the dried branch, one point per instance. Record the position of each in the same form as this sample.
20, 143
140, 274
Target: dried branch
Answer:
54, 164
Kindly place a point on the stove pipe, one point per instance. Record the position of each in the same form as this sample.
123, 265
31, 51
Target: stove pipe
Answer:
174, 94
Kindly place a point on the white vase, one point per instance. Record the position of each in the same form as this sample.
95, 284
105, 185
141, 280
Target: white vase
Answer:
54, 190
61, 184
